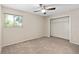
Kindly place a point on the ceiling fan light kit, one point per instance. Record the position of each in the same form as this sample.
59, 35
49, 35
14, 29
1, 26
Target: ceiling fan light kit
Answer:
43, 10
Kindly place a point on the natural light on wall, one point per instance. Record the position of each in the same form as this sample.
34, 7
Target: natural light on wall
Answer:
13, 20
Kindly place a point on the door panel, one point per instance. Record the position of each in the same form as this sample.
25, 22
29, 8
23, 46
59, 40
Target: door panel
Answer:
60, 28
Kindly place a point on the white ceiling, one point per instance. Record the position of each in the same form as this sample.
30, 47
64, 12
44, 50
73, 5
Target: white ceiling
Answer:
60, 8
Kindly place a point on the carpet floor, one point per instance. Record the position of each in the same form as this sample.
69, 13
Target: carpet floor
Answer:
43, 45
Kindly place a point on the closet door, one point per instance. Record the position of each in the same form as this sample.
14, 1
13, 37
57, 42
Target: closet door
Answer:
60, 27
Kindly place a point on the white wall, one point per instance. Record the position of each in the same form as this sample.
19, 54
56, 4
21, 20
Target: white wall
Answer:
0, 29
45, 26
75, 27
33, 27
73, 24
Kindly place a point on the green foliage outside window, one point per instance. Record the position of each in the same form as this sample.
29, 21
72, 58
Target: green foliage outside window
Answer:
13, 20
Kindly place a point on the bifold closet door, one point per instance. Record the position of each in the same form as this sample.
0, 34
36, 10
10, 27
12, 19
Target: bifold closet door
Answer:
60, 27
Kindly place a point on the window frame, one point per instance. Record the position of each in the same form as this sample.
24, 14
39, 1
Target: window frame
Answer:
13, 20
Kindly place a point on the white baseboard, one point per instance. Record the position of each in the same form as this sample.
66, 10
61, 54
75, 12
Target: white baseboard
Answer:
24, 39
74, 42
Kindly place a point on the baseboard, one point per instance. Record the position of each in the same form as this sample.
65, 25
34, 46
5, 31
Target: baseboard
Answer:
24, 39
59, 37
74, 42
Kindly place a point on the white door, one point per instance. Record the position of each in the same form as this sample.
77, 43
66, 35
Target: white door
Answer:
60, 27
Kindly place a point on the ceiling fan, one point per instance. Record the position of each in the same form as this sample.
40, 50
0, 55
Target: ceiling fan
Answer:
44, 9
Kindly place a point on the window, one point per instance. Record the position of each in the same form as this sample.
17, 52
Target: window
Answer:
13, 20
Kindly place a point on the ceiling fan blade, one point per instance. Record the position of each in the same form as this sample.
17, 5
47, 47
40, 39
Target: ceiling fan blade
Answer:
51, 9
37, 11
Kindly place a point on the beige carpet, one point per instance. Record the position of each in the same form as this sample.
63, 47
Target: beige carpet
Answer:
43, 45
